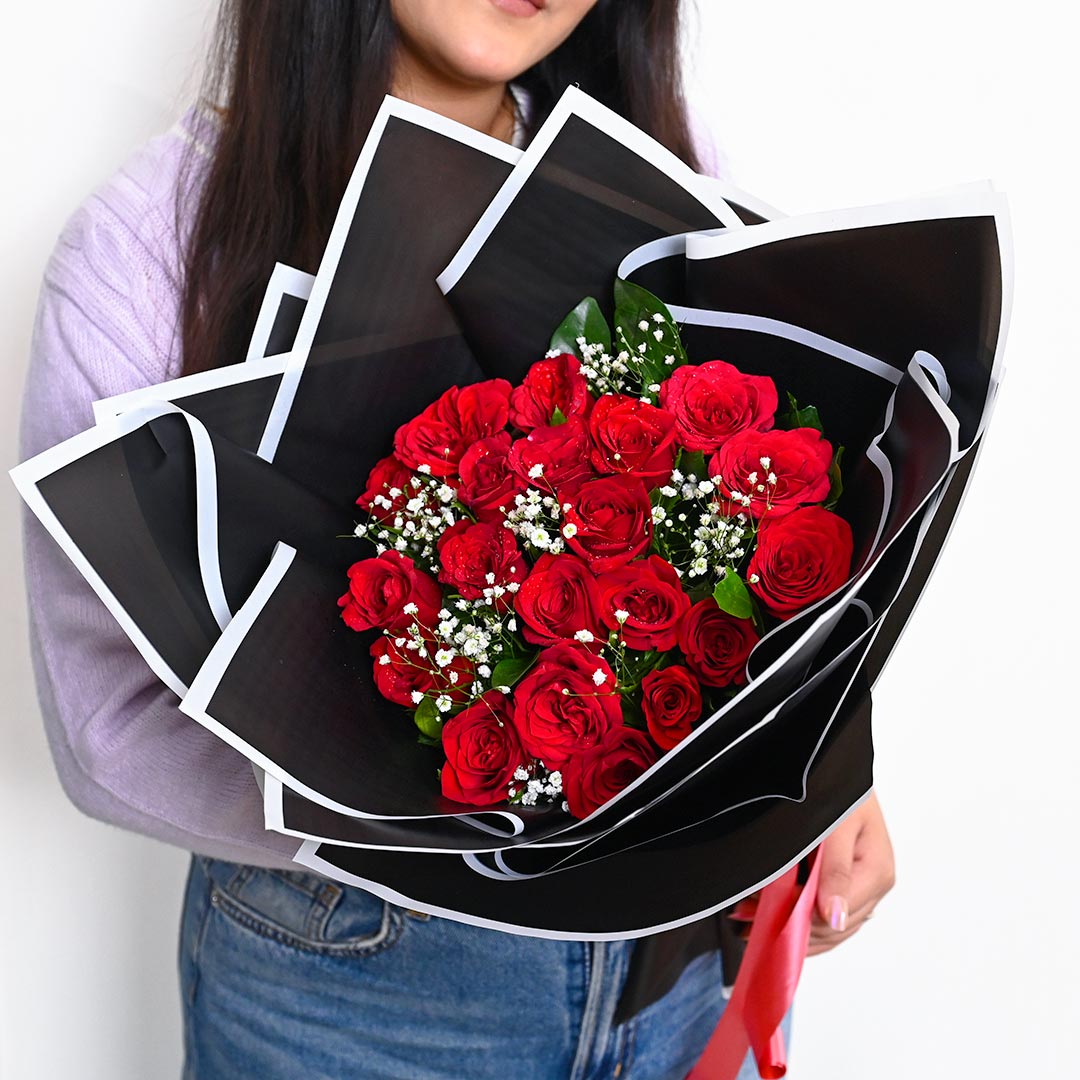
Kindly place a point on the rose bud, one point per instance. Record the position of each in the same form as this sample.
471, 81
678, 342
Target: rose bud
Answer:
380, 590
777, 470
800, 558
671, 701
560, 601
609, 521
487, 480
482, 751
388, 475
632, 436
401, 672
713, 401
716, 645
481, 559
565, 703
649, 597
601, 772
441, 434
551, 457
552, 383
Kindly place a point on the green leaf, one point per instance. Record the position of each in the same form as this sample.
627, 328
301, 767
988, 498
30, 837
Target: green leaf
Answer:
428, 720
631, 297
634, 305
509, 671
692, 462
797, 417
632, 714
731, 595
558, 417
837, 479
587, 321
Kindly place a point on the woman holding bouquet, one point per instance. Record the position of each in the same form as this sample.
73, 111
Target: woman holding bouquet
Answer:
161, 273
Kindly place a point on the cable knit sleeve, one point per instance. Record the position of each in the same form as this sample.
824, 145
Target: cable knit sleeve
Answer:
106, 323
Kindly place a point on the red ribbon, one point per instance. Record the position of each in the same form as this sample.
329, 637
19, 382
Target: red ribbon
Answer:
765, 987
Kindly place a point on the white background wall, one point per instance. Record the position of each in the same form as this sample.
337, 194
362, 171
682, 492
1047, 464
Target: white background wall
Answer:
971, 966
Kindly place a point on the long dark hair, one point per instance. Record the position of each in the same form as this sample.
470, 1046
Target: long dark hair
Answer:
297, 84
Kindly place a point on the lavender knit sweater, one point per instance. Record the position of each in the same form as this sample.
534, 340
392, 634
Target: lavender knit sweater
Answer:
106, 324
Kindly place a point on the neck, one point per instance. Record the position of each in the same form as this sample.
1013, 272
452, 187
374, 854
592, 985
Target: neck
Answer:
484, 107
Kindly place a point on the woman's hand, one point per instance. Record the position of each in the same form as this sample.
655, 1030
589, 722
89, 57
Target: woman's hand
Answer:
857, 870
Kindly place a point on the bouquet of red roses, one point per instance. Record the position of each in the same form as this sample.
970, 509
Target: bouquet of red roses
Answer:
571, 572
612, 577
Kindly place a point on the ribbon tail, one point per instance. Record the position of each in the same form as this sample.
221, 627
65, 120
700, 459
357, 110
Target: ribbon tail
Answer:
765, 987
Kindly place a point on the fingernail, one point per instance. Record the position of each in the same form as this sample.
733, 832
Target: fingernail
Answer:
838, 913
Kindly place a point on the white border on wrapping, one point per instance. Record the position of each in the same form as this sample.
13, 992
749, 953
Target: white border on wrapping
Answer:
969, 200
775, 328
106, 409
324, 279
196, 701
575, 102
284, 281
307, 855
274, 819
27, 476
945, 539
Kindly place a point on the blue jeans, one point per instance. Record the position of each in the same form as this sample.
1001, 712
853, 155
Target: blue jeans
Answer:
288, 976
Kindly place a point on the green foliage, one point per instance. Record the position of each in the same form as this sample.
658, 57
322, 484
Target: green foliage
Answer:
587, 321
632, 714
428, 720
507, 672
732, 596
837, 479
692, 463
635, 306
800, 417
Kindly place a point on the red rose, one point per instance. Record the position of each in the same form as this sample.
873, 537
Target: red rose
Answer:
400, 672
561, 453
800, 558
611, 521
798, 462
388, 475
482, 751
379, 590
441, 434
557, 600
474, 557
632, 436
712, 401
650, 593
552, 383
565, 703
487, 480
597, 774
716, 645
671, 700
